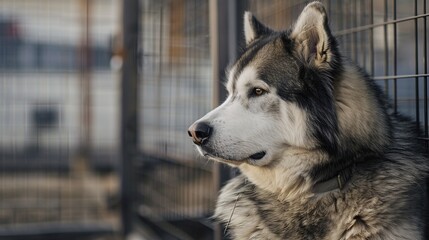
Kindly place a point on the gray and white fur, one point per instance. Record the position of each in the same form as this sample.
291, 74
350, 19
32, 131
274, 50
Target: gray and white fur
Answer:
321, 153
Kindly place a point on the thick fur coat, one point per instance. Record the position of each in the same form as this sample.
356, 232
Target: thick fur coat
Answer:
321, 153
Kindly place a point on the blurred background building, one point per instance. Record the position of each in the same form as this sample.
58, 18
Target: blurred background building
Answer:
96, 97
58, 147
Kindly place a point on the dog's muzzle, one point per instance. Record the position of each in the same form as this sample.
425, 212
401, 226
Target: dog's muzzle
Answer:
199, 132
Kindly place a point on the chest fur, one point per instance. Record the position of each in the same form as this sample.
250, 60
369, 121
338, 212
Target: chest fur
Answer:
255, 214
261, 216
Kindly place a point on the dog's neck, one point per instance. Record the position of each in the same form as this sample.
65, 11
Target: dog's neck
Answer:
287, 177
294, 176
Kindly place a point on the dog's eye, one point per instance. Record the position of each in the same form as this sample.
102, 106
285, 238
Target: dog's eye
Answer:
258, 91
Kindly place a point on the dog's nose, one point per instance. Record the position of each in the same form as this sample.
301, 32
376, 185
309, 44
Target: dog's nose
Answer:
200, 132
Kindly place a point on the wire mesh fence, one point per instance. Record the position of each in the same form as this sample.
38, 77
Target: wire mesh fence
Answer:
175, 89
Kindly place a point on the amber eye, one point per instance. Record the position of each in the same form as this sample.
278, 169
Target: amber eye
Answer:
258, 91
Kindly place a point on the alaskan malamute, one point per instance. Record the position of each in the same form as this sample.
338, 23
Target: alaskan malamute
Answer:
321, 154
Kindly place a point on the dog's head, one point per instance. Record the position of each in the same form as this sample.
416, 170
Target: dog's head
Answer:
285, 95
277, 87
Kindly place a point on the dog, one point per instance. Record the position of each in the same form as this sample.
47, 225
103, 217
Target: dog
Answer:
320, 151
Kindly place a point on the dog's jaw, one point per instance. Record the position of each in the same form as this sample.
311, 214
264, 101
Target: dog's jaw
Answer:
259, 158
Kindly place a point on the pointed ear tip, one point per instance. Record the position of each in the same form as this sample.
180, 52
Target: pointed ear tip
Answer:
248, 15
316, 5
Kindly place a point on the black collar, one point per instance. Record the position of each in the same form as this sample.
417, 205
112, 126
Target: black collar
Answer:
343, 176
334, 183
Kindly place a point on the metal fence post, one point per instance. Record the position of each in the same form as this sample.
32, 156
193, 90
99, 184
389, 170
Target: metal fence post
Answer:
225, 35
129, 110
85, 81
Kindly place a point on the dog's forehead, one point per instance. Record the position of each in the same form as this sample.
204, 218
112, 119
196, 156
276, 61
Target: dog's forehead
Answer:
267, 61
246, 67
246, 74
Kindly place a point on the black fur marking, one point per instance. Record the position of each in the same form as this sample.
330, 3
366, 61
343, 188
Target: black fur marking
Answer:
317, 98
259, 29
249, 54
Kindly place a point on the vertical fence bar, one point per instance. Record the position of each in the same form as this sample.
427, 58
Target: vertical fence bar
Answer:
395, 59
349, 37
219, 55
425, 103
416, 52
386, 50
363, 35
85, 80
129, 98
225, 28
372, 38
355, 35
425, 82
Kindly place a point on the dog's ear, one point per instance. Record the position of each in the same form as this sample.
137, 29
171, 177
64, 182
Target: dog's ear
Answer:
312, 36
253, 29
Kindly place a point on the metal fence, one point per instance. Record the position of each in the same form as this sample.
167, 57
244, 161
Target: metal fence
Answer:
180, 82
173, 185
